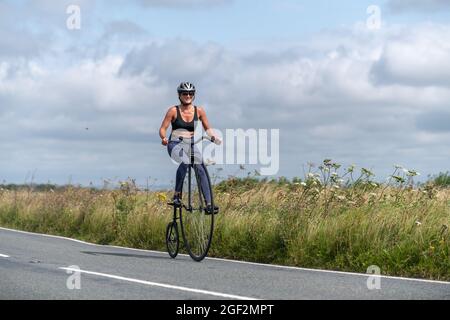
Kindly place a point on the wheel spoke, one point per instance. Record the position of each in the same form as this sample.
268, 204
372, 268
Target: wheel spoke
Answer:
197, 227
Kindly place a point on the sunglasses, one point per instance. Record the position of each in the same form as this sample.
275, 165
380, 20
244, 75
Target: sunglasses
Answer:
188, 94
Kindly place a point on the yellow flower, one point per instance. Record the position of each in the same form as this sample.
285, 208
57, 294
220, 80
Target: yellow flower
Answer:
162, 197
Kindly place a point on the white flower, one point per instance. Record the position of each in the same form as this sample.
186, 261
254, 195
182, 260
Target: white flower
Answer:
418, 223
412, 173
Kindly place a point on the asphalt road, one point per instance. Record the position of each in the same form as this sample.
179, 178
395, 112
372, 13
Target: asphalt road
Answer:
34, 266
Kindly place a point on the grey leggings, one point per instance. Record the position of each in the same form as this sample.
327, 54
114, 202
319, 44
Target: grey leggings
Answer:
180, 153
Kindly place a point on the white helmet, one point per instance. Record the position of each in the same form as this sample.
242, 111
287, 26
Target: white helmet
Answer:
186, 87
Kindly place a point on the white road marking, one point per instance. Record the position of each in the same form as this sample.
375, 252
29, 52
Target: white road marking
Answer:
162, 285
51, 236
241, 262
3, 256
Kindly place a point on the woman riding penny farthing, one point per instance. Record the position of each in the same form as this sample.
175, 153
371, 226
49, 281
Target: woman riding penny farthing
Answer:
193, 201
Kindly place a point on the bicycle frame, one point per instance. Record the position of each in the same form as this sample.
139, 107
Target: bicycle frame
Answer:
172, 229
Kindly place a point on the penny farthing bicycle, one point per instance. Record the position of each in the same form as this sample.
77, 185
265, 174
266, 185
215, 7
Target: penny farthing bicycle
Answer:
195, 221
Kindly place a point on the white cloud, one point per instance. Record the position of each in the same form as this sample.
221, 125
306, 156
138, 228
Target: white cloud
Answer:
355, 96
419, 58
400, 6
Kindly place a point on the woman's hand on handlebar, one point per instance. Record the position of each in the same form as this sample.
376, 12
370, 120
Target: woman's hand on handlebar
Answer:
216, 140
164, 142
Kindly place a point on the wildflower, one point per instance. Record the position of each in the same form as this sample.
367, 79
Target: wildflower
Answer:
418, 223
336, 166
398, 179
162, 197
367, 172
412, 173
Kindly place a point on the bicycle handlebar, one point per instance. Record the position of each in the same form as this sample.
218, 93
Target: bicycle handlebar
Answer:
212, 139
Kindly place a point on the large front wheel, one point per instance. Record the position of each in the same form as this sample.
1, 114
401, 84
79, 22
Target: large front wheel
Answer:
196, 226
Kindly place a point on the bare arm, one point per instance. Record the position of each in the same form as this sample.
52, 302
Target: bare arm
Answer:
165, 124
204, 119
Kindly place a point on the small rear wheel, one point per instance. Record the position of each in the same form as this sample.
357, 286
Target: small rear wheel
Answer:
172, 239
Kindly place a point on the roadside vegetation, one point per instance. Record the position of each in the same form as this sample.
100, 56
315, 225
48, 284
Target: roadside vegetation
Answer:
334, 218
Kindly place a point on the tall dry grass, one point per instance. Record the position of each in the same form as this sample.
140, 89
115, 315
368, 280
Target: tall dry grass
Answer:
319, 223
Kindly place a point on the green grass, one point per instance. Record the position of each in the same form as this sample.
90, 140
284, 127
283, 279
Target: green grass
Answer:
442, 179
401, 229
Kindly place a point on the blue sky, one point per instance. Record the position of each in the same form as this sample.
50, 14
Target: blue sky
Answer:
311, 69
263, 20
